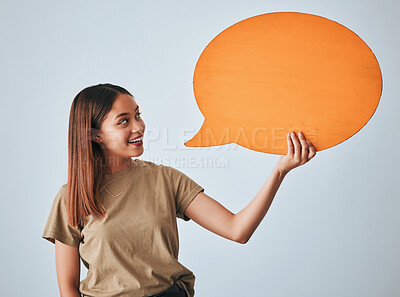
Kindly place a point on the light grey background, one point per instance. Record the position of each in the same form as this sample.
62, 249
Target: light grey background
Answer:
333, 228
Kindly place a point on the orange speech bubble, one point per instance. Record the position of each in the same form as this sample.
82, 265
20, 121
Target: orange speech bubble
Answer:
286, 71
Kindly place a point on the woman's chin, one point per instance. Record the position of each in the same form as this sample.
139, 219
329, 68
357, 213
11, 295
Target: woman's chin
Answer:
138, 153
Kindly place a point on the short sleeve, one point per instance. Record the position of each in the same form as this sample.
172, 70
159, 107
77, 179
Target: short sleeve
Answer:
185, 190
57, 226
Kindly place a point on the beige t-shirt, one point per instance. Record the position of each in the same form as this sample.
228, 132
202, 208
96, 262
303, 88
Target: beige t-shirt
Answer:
133, 250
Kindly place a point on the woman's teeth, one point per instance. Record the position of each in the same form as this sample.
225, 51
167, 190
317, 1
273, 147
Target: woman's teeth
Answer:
135, 140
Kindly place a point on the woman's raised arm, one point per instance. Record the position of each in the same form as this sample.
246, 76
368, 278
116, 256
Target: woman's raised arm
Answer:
239, 227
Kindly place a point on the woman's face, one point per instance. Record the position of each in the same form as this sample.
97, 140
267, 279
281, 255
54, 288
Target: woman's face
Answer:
122, 124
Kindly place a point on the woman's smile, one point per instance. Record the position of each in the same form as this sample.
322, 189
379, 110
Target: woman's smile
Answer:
136, 142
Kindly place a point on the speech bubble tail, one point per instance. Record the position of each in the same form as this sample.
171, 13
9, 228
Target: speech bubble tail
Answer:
209, 135
194, 142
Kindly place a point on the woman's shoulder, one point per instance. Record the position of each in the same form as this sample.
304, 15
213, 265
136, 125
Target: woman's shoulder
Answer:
62, 192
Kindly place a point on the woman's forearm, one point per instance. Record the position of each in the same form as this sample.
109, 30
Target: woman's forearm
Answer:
248, 219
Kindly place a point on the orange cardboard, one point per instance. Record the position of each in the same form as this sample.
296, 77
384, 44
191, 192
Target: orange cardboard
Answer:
286, 71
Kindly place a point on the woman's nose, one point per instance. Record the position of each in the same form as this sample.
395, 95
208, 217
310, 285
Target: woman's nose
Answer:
137, 127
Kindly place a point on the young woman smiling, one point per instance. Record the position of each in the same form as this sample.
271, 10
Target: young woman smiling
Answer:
118, 214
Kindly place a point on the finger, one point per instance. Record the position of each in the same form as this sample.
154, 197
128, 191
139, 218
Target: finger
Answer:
304, 147
289, 144
297, 147
312, 150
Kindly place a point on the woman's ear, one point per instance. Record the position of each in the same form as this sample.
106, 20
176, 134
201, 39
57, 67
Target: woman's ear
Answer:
96, 136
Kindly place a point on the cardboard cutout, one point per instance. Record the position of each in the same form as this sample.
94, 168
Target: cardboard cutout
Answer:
287, 71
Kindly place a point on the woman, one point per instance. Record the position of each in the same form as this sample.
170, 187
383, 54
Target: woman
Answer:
119, 215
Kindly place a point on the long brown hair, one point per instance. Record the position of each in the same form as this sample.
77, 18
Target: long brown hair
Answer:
85, 156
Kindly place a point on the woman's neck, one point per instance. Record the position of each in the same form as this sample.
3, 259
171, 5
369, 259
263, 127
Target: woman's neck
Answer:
114, 165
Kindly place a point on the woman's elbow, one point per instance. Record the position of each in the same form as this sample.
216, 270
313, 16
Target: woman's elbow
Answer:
242, 239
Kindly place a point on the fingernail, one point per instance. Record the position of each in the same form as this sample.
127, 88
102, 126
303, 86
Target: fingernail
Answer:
300, 134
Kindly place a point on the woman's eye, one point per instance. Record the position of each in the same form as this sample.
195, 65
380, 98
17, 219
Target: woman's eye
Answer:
138, 115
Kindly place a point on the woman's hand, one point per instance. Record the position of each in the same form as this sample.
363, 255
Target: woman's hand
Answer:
299, 153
